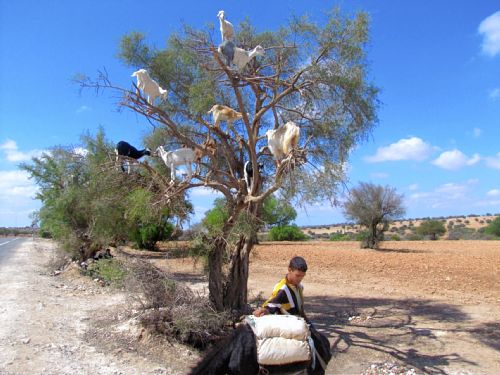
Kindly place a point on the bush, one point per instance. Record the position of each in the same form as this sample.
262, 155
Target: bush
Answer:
173, 309
431, 228
146, 236
395, 237
111, 271
493, 228
339, 237
415, 237
286, 233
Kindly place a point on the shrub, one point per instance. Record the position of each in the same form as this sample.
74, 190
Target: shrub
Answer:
146, 236
395, 237
111, 271
493, 228
339, 237
414, 237
172, 309
286, 233
431, 228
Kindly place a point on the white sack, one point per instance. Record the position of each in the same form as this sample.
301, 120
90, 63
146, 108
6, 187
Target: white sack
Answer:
280, 351
286, 326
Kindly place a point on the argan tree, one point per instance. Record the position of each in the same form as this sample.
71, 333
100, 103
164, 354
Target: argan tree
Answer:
374, 207
312, 74
432, 228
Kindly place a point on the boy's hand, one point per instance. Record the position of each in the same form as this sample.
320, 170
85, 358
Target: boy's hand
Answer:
261, 311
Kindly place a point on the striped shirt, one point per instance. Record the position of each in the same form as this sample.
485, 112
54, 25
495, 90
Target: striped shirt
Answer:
286, 296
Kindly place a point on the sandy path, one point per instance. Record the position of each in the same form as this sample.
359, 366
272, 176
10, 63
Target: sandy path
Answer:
45, 318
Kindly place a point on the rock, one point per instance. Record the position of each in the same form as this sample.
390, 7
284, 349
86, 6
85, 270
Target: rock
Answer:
26, 340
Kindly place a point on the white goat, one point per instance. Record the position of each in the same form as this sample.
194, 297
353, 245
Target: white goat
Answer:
242, 58
181, 156
282, 140
149, 86
226, 27
223, 113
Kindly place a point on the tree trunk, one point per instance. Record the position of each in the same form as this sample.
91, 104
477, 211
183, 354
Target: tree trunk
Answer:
215, 274
236, 286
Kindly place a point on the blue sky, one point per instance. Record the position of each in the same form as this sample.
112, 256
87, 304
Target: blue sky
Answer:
437, 65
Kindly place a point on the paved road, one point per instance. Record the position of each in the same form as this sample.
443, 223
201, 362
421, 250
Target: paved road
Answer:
8, 246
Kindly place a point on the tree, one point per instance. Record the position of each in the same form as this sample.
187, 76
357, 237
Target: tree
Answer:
312, 74
87, 202
276, 212
374, 207
432, 228
493, 228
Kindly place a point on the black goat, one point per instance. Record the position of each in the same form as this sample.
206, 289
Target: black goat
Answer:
126, 149
227, 49
237, 355
248, 173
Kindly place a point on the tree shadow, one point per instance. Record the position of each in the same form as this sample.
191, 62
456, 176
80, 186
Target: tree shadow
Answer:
405, 251
488, 333
387, 325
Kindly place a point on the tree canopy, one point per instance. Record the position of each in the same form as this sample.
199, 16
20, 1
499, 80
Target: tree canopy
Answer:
314, 74
373, 206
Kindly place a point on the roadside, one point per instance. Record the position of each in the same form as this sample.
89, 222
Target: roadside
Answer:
68, 324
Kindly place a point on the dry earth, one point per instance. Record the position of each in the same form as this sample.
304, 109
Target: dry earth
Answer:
409, 308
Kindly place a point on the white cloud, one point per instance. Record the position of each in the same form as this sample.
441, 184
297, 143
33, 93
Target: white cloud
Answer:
80, 151
413, 187
490, 29
205, 192
493, 162
379, 175
82, 109
16, 198
493, 193
476, 132
494, 94
413, 148
12, 154
455, 159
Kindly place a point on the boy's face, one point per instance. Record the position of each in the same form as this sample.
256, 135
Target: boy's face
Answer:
294, 277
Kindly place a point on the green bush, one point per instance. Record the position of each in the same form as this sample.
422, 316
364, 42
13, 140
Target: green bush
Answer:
493, 228
147, 235
109, 270
286, 233
339, 237
395, 237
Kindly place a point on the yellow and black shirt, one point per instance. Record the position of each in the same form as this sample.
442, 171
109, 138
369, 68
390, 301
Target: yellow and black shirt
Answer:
286, 299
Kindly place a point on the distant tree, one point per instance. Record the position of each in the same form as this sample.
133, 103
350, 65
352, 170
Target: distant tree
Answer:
286, 233
432, 228
374, 207
277, 212
493, 228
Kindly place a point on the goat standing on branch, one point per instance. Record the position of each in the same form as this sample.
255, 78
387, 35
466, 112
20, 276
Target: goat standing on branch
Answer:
126, 149
222, 113
181, 156
226, 27
149, 86
282, 140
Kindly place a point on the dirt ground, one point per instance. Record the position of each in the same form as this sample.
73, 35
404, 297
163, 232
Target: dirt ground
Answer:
408, 308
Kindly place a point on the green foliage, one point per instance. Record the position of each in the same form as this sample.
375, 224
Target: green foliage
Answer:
146, 236
277, 212
286, 233
493, 228
432, 228
111, 271
216, 217
339, 237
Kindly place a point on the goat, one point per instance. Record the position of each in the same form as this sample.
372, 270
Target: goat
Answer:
226, 48
223, 113
181, 156
282, 140
248, 173
226, 27
126, 149
210, 148
237, 354
149, 86
242, 58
